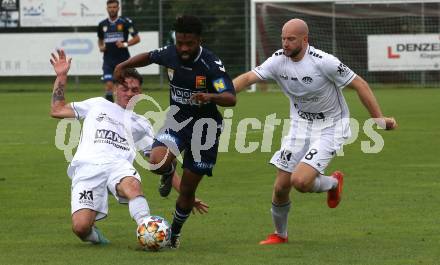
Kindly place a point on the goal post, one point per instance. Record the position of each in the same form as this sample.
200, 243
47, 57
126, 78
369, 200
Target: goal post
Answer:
361, 33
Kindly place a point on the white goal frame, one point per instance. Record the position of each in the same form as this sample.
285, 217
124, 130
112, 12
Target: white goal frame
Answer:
253, 29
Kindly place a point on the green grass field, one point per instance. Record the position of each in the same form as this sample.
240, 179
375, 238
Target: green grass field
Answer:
389, 214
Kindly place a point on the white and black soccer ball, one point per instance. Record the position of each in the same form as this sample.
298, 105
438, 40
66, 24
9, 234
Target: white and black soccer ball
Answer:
153, 233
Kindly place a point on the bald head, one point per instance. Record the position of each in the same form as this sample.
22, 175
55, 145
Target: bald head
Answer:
296, 27
295, 38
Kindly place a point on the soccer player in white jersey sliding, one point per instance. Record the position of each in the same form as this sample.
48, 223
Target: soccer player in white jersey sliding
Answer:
313, 81
103, 161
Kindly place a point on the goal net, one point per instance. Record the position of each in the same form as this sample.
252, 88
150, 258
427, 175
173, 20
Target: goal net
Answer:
386, 42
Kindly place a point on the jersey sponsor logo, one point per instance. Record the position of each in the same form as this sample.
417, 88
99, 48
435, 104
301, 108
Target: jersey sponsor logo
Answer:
310, 116
219, 85
110, 37
305, 100
284, 76
183, 95
86, 198
200, 81
343, 70
307, 80
120, 27
170, 74
105, 117
110, 137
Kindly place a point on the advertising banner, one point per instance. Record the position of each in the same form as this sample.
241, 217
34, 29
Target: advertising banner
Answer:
62, 13
408, 52
23, 59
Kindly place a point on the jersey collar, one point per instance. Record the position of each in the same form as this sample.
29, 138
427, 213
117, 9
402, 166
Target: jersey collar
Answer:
112, 21
200, 53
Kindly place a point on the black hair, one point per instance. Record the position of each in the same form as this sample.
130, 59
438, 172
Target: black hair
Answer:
133, 73
188, 24
112, 2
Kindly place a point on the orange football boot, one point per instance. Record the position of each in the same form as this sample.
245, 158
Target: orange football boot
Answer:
273, 239
334, 195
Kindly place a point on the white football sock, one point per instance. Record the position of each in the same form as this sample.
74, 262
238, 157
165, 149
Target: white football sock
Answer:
324, 183
92, 237
279, 218
138, 208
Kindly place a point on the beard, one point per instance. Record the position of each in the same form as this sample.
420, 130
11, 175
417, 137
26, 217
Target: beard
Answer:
188, 56
294, 52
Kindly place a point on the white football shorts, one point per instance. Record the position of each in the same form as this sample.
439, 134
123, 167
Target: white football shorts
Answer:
314, 143
91, 184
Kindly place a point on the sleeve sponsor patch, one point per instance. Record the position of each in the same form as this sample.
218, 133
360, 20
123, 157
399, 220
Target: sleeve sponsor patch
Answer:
219, 85
343, 70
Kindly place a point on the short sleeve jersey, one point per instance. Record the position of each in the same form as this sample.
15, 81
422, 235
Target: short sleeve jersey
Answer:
313, 85
206, 73
110, 132
113, 31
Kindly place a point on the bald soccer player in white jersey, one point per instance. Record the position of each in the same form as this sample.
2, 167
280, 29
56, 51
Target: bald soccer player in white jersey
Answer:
313, 81
103, 162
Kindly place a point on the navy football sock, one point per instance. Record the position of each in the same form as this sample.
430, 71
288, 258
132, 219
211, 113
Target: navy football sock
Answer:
180, 216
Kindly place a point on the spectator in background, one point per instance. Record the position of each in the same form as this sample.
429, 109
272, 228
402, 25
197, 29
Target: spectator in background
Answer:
113, 42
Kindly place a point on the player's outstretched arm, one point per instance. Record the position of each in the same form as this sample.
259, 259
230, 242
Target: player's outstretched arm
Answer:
199, 205
139, 60
61, 65
245, 80
369, 100
224, 99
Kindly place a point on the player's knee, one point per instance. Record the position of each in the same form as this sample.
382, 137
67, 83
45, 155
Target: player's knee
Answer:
130, 187
300, 184
81, 229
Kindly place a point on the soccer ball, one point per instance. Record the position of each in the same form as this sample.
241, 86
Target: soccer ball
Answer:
153, 233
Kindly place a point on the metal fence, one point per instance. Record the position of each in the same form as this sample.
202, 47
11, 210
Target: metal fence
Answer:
335, 28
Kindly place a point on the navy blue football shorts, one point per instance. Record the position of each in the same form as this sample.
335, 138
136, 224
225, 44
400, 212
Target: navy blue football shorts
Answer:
109, 66
195, 158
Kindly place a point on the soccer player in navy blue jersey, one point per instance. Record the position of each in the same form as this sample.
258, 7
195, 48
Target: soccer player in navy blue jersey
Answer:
113, 33
198, 83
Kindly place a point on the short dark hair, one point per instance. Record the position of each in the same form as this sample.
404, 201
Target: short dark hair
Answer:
112, 2
188, 24
133, 73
